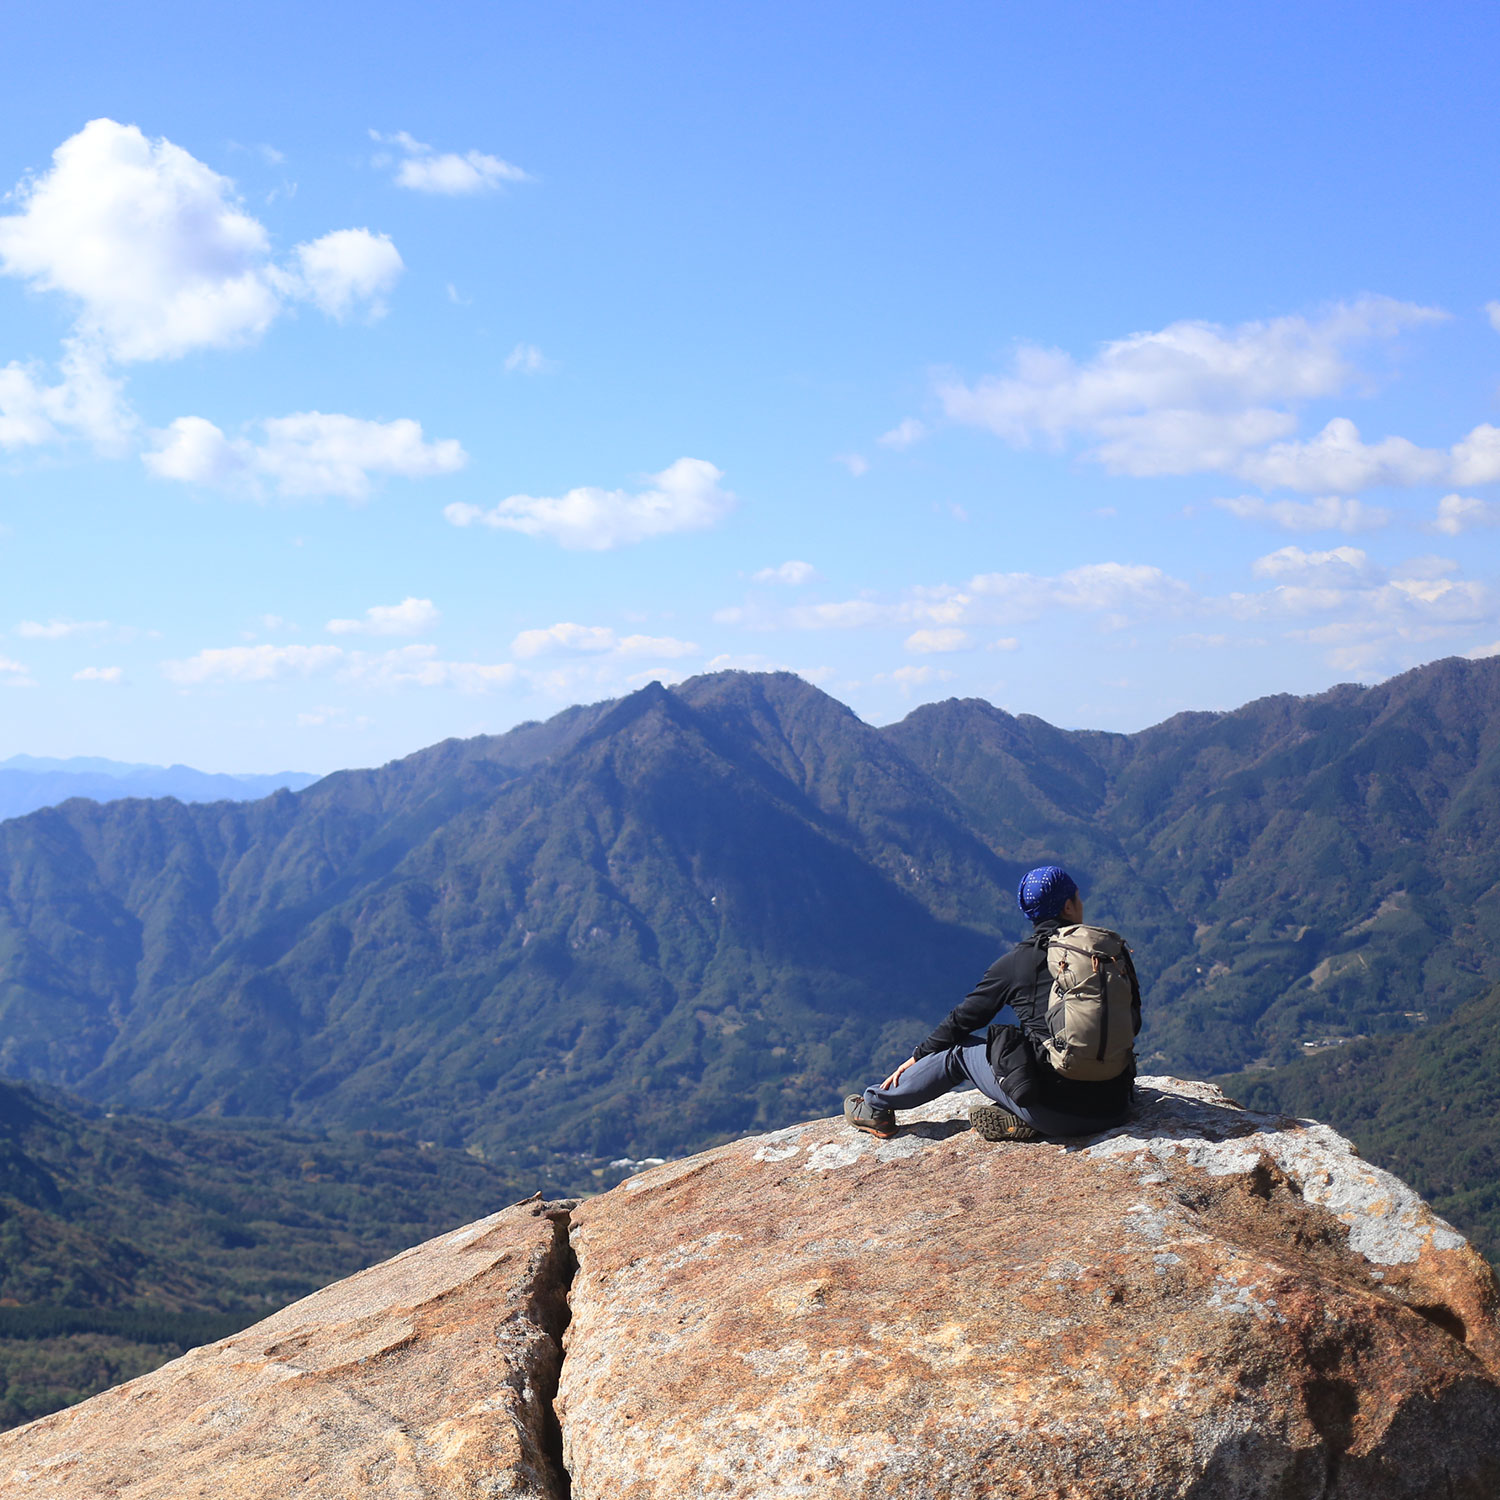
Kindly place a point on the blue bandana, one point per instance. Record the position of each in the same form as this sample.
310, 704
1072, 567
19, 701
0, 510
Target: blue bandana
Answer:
1045, 891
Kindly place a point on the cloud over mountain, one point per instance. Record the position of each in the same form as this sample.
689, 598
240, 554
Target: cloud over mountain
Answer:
685, 496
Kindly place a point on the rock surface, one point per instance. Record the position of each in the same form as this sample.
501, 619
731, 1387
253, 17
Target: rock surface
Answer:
428, 1376
1206, 1304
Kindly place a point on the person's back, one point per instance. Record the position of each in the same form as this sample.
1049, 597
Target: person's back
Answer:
1009, 1060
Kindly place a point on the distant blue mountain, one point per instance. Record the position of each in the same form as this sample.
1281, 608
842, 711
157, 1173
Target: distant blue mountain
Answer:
28, 782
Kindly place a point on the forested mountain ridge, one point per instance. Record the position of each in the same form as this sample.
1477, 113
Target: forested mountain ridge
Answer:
1428, 1101
649, 923
668, 905
1293, 871
124, 1241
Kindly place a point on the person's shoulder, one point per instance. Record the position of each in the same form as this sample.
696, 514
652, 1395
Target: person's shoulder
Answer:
1025, 950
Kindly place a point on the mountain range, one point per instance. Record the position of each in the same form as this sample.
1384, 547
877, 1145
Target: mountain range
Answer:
28, 782
653, 923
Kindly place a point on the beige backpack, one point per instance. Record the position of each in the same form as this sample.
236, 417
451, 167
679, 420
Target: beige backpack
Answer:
1094, 1005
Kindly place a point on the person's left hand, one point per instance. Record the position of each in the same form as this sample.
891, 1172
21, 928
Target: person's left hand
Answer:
895, 1077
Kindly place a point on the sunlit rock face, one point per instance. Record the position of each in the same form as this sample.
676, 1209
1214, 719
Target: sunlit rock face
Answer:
1206, 1304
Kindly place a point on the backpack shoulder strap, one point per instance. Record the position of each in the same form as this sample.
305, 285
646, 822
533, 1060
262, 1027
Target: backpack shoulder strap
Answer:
1135, 987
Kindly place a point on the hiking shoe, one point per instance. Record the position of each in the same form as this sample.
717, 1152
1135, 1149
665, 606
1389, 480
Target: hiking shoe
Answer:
863, 1115
991, 1123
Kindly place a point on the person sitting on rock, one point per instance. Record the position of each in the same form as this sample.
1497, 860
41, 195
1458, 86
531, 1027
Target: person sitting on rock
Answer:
960, 1053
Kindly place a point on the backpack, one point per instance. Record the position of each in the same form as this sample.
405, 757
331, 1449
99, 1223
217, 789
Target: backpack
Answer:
1094, 1005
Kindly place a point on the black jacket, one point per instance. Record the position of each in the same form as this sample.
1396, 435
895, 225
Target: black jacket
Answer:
1021, 980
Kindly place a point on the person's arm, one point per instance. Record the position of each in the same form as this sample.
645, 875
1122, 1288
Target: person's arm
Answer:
979, 1007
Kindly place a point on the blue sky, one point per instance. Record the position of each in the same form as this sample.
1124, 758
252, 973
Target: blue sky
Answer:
369, 375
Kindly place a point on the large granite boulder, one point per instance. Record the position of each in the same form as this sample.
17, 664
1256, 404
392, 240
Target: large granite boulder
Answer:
1207, 1304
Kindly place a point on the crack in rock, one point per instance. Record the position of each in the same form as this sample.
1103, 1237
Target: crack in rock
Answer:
551, 1312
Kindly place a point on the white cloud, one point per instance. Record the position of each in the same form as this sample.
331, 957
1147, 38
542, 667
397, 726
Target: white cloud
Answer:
60, 630
856, 463
1493, 309
308, 453
684, 497
654, 645
317, 453
99, 674
928, 642
1426, 566
1116, 591
1459, 513
563, 639
1327, 513
568, 639
793, 573
1338, 459
903, 434
1370, 618
194, 451
845, 614
1193, 396
1184, 442
404, 666
348, 267
946, 616
15, 674
1107, 588
1476, 459
252, 664
1358, 615
160, 257
425, 170
410, 617
1341, 564
86, 402
420, 666
149, 241
527, 359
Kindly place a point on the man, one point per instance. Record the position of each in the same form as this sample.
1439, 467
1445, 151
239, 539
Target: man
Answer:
960, 1053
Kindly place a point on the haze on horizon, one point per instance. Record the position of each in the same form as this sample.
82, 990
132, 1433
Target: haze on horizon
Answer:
372, 377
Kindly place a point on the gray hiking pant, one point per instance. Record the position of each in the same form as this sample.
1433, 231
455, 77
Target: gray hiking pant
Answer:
967, 1065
